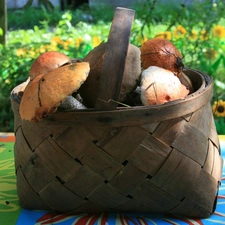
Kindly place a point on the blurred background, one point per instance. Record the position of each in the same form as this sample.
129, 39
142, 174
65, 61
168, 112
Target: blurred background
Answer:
74, 27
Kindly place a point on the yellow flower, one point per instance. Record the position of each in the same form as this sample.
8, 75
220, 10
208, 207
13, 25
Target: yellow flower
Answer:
67, 43
141, 39
193, 35
165, 35
219, 31
144, 39
218, 108
52, 48
56, 40
204, 35
42, 49
32, 54
210, 53
37, 51
20, 52
66, 46
180, 31
78, 42
96, 41
7, 81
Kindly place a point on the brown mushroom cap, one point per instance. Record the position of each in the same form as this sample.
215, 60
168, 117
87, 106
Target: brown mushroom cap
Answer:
162, 53
89, 90
47, 62
45, 92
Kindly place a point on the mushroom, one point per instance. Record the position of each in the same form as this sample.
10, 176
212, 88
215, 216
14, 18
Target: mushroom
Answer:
159, 86
131, 78
47, 62
162, 53
43, 95
71, 103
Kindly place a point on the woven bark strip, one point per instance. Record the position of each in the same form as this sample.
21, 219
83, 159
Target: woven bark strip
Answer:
156, 159
141, 168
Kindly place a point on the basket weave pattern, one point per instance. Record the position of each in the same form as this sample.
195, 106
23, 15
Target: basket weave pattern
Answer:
158, 159
171, 166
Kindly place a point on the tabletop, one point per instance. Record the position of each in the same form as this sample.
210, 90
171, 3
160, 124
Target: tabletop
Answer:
12, 214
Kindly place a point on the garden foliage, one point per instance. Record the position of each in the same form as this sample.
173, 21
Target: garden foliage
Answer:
197, 30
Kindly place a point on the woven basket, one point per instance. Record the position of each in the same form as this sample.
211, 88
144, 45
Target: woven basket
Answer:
157, 159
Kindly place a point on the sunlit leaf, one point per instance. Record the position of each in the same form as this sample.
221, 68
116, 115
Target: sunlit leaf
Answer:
216, 65
36, 28
223, 60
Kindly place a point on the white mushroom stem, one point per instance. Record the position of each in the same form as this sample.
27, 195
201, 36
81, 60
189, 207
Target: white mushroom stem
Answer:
71, 103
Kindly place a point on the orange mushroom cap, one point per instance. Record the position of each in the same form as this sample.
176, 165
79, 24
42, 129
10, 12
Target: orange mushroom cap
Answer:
45, 92
46, 62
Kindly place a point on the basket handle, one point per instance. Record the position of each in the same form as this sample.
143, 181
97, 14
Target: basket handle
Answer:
114, 59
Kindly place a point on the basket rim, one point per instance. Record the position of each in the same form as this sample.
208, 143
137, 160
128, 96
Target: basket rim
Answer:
136, 115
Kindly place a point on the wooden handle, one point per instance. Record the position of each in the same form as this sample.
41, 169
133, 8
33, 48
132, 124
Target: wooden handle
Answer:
115, 59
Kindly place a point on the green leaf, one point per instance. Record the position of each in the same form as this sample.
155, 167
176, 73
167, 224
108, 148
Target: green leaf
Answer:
223, 60
36, 28
1, 32
216, 65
